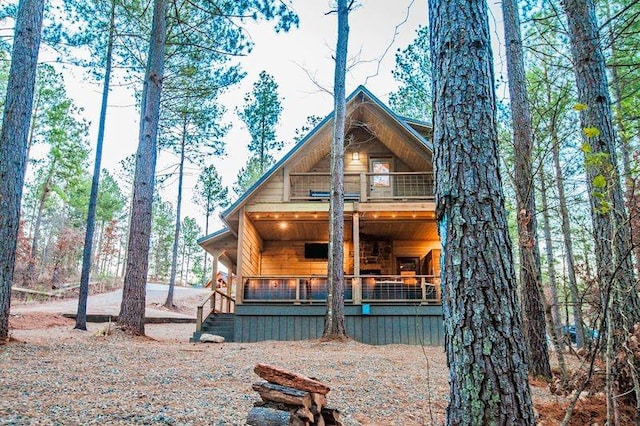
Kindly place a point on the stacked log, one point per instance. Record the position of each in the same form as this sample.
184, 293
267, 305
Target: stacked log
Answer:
290, 399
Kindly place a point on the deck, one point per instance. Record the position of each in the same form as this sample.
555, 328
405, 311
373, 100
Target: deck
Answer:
391, 309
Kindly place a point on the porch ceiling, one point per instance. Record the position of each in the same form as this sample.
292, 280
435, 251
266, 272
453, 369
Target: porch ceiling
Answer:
400, 230
315, 226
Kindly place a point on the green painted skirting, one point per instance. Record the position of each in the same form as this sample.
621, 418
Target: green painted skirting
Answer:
384, 324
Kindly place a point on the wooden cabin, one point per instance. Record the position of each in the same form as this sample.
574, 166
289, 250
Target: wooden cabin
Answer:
277, 233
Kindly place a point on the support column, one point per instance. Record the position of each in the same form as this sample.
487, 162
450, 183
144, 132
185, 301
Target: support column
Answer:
214, 276
240, 282
356, 283
215, 255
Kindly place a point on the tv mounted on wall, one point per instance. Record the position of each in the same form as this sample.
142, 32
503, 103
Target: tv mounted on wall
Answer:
316, 250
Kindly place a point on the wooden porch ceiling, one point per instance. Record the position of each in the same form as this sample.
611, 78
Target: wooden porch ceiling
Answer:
315, 226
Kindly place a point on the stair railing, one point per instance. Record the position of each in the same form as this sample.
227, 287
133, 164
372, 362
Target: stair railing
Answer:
217, 302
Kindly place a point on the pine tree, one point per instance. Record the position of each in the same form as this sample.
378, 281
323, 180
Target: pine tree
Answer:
334, 323
530, 277
413, 70
261, 113
14, 137
485, 348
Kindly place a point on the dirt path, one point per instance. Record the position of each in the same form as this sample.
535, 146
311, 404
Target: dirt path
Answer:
185, 298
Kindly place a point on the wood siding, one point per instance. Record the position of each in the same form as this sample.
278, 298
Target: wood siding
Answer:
252, 247
412, 325
287, 258
272, 191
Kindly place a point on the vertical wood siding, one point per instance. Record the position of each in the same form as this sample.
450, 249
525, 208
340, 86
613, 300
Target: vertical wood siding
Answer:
411, 325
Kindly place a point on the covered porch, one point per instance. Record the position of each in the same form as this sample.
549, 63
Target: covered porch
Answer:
280, 253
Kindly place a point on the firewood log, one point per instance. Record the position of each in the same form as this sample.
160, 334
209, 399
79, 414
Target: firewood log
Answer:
264, 416
284, 394
317, 402
331, 416
304, 414
286, 378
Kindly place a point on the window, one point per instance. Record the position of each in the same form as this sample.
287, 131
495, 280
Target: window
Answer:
381, 169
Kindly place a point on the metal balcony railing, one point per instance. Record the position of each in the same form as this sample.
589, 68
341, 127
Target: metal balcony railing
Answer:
358, 289
363, 186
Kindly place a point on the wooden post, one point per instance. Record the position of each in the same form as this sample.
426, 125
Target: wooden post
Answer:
363, 187
286, 196
240, 283
356, 283
214, 276
423, 288
199, 319
297, 302
232, 272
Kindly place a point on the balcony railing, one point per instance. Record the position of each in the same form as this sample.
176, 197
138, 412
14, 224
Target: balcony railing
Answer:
358, 289
363, 186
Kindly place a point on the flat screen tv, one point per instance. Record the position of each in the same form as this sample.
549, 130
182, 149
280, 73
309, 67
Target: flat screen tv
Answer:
316, 250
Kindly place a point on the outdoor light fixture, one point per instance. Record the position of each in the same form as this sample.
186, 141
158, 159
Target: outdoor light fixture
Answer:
355, 155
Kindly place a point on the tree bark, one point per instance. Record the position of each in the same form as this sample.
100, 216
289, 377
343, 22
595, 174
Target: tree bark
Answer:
334, 327
610, 222
486, 353
132, 309
625, 145
530, 280
556, 324
81, 315
611, 227
14, 138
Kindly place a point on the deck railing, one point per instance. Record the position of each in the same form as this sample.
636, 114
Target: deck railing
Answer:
358, 289
363, 186
218, 302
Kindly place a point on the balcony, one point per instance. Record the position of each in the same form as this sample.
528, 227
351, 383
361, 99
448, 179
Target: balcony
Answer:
364, 187
423, 289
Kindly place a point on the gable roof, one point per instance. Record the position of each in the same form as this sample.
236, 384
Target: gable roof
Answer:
359, 91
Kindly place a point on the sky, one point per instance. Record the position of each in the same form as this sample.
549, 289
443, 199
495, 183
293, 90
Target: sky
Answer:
378, 29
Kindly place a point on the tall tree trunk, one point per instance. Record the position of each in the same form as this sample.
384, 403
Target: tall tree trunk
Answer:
46, 188
204, 262
565, 224
132, 309
81, 315
554, 306
186, 272
530, 280
176, 236
625, 144
334, 327
610, 221
14, 137
486, 352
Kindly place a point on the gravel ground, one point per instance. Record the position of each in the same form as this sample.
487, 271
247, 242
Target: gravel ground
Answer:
64, 376
51, 374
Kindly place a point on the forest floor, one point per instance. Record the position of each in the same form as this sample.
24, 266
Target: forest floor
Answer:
52, 374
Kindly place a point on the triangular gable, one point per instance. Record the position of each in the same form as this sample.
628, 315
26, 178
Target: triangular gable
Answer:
360, 91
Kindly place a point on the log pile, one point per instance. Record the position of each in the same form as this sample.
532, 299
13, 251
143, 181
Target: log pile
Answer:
290, 399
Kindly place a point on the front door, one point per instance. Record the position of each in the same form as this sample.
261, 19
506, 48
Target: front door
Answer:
380, 184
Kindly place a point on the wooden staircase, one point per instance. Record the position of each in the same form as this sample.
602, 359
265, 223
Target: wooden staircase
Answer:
218, 324
216, 315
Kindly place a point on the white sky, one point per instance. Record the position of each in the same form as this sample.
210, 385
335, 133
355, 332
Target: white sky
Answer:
286, 56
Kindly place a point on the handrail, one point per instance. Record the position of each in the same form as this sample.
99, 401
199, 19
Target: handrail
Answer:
357, 288
217, 298
314, 186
